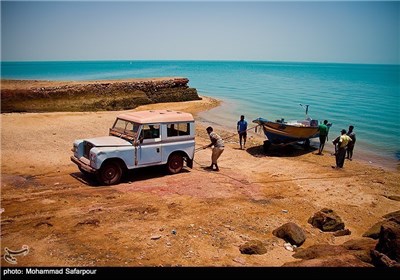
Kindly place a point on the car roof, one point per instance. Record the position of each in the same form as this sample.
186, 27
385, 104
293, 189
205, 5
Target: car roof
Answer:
156, 116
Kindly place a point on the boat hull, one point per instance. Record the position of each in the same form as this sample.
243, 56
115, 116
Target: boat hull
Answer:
283, 133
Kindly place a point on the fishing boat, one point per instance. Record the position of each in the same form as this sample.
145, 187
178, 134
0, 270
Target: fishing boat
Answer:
281, 132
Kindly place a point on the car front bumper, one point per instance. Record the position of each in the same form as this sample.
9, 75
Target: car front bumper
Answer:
83, 165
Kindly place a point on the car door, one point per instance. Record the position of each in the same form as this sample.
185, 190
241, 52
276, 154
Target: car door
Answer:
149, 150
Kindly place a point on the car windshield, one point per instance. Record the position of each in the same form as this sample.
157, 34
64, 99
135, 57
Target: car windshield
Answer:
125, 128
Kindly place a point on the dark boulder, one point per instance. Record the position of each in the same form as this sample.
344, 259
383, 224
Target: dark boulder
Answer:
389, 240
291, 233
253, 247
326, 220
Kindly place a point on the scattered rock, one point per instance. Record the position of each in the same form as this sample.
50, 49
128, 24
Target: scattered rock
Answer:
94, 222
342, 232
44, 223
288, 247
326, 220
291, 233
229, 227
7, 221
393, 197
239, 260
155, 237
378, 181
253, 247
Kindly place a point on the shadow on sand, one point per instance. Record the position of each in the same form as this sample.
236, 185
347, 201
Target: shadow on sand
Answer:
140, 174
292, 150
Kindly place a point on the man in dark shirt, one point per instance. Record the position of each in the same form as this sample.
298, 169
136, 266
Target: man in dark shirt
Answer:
242, 131
350, 146
323, 129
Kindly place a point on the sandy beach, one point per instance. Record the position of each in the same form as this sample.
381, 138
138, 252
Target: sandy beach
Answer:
195, 218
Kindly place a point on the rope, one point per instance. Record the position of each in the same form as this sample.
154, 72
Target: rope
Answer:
234, 134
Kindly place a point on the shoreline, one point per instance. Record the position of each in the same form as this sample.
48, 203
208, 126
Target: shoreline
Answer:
364, 156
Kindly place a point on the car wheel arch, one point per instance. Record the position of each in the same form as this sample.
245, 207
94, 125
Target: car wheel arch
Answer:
111, 171
175, 161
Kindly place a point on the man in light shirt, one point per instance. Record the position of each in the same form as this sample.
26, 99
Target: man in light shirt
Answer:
341, 143
217, 150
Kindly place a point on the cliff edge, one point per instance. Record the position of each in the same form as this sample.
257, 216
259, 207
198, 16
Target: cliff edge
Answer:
104, 95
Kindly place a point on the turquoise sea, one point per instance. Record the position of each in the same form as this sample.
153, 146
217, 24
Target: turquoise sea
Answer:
366, 96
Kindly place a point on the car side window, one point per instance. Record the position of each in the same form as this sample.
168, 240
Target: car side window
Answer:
150, 131
178, 129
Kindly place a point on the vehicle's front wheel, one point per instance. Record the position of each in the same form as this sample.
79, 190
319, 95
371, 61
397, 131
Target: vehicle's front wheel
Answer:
175, 163
110, 173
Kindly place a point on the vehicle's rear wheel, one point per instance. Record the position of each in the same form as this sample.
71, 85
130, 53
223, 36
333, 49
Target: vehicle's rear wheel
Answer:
175, 163
110, 173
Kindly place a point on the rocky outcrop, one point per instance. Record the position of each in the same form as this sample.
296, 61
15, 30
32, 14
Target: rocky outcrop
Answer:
387, 251
379, 247
319, 251
345, 260
353, 253
374, 231
51, 96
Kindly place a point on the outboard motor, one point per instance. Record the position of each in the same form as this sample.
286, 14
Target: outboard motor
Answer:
314, 123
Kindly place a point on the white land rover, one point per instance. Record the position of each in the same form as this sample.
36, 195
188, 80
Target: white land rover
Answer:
138, 139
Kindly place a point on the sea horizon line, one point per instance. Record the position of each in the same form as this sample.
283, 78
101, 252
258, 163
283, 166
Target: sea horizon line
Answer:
202, 60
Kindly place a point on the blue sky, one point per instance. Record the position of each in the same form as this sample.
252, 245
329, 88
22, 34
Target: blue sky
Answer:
317, 31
